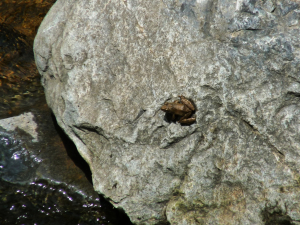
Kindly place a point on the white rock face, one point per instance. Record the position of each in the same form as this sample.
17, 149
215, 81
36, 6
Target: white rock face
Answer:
108, 67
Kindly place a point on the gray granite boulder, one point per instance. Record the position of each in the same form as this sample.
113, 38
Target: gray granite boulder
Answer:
108, 66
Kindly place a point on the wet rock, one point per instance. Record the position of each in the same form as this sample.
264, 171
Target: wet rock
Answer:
108, 67
16, 164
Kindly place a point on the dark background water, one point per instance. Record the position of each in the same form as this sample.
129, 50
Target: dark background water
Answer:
44, 181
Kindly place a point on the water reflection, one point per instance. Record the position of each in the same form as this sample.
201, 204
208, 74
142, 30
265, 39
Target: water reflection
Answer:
28, 196
42, 203
15, 162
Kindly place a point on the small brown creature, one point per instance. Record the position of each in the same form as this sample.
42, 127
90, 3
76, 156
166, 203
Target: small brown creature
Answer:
183, 108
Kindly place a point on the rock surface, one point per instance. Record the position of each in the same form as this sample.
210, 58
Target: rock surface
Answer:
43, 179
108, 66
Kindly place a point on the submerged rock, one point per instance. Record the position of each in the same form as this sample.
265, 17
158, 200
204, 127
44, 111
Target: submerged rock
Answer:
108, 66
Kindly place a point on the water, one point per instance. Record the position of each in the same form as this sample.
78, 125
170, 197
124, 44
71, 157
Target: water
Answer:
16, 166
28, 198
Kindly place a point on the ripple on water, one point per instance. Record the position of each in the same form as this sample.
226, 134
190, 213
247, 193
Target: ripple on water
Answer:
41, 203
15, 162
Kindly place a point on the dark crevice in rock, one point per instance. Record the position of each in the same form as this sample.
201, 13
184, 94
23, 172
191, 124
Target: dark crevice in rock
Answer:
233, 112
72, 151
173, 142
141, 112
46, 63
293, 94
168, 118
208, 87
253, 29
178, 139
79, 137
272, 216
90, 128
164, 223
276, 151
118, 215
254, 129
238, 114
274, 10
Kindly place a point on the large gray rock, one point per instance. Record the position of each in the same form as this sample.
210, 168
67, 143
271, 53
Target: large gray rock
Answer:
107, 68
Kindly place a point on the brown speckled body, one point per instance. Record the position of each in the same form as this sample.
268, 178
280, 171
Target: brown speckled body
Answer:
183, 108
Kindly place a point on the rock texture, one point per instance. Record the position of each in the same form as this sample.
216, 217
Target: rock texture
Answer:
108, 66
